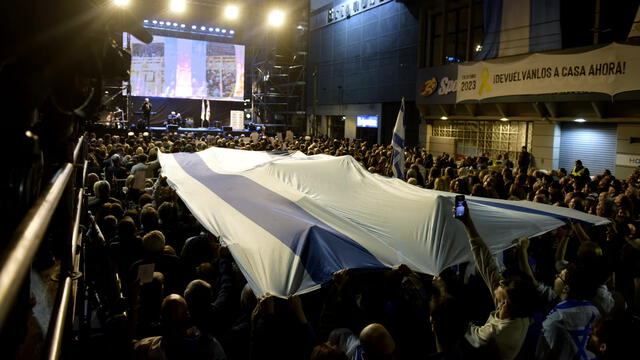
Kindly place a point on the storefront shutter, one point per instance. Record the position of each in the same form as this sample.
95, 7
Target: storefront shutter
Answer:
594, 144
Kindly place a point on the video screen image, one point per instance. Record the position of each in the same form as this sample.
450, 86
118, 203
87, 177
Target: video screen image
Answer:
185, 68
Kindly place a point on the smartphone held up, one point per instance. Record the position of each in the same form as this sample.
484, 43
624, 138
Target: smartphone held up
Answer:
460, 210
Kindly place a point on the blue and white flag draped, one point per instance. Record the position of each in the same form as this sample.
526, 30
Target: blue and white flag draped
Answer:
291, 221
514, 27
397, 143
202, 113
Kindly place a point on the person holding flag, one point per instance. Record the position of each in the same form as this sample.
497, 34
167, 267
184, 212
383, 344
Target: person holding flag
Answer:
397, 143
202, 114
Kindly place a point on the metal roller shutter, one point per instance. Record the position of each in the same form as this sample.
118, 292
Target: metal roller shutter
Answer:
594, 144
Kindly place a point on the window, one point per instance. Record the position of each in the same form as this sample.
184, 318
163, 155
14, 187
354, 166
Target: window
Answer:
456, 33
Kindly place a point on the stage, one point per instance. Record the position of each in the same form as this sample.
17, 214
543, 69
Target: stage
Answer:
162, 130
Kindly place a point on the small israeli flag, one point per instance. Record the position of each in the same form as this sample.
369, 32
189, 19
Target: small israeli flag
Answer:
397, 142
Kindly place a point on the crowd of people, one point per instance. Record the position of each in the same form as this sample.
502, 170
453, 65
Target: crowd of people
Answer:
573, 293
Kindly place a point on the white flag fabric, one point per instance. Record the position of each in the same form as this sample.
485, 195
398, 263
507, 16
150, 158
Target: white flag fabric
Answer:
291, 221
397, 143
208, 116
202, 112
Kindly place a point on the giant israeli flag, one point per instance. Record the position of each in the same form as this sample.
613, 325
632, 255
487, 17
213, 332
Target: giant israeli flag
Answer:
291, 221
514, 27
397, 144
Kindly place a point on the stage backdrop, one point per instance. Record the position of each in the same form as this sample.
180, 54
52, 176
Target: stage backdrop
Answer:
220, 110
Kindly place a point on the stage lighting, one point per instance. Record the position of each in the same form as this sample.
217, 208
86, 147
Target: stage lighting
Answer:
182, 25
155, 21
275, 18
231, 32
193, 27
224, 31
175, 24
178, 5
146, 21
203, 28
211, 29
161, 22
121, 3
231, 12
217, 29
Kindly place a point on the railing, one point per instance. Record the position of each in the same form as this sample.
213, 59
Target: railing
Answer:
25, 242
64, 313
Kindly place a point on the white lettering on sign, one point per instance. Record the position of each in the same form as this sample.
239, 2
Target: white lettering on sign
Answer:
350, 8
447, 86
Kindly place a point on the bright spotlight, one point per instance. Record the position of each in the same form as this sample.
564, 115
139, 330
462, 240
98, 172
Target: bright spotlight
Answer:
217, 29
224, 31
444, 118
178, 5
231, 12
203, 28
193, 27
146, 21
580, 120
161, 22
155, 21
231, 32
182, 25
121, 3
275, 18
175, 24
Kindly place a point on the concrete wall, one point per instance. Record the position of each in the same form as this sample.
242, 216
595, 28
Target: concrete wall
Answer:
628, 154
545, 145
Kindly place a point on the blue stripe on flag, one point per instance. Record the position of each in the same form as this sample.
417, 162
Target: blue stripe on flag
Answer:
322, 249
545, 31
398, 140
492, 28
528, 210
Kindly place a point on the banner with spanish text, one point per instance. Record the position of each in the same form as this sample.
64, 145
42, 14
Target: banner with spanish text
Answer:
612, 69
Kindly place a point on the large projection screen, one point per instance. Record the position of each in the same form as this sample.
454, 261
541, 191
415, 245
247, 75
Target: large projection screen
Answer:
186, 68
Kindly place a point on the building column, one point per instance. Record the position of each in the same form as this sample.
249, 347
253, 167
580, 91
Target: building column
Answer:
545, 145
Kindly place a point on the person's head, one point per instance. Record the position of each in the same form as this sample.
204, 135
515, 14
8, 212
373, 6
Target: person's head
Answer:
576, 282
327, 351
518, 294
199, 296
92, 178
168, 213
102, 189
149, 218
174, 316
146, 100
153, 243
376, 342
612, 338
127, 228
524, 148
